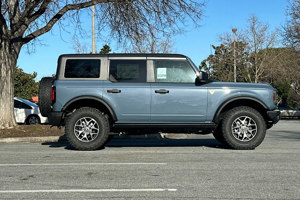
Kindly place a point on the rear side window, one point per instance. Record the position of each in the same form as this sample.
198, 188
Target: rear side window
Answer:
82, 68
127, 71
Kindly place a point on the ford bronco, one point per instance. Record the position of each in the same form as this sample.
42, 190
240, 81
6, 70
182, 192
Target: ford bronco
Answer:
95, 95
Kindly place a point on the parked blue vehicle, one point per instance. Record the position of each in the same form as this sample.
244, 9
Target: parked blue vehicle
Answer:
95, 95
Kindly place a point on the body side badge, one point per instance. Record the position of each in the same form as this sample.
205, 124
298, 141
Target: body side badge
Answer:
211, 91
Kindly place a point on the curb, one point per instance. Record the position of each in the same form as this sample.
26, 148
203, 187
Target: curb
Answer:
31, 139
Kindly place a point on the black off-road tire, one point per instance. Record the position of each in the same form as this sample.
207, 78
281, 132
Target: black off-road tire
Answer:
218, 134
75, 122
33, 120
45, 95
235, 115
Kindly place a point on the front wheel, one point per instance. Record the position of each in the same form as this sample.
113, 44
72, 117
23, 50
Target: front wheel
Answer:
87, 129
243, 128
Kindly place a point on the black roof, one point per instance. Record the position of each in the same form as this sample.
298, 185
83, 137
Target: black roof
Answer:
125, 54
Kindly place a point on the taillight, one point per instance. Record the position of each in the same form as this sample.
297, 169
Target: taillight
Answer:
53, 95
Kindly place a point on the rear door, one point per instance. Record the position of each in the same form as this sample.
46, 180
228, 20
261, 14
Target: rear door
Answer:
127, 90
175, 97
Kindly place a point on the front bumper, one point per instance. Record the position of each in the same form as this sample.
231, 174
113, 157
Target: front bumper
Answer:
273, 116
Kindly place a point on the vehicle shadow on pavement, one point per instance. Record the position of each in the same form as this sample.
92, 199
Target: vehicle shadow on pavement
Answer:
147, 142
165, 142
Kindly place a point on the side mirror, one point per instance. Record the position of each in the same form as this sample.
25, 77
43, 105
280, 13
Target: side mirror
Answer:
202, 77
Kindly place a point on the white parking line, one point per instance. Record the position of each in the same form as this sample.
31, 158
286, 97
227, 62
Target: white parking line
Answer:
89, 190
75, 164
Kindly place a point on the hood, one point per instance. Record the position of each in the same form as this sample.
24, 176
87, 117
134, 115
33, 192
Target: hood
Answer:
239, 85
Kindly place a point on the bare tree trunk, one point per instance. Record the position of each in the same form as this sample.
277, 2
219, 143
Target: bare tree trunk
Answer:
8, 61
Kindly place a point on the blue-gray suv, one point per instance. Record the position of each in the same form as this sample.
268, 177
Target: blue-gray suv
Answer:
96, 95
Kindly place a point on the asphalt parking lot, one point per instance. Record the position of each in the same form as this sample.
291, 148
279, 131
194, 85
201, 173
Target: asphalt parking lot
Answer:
188, 168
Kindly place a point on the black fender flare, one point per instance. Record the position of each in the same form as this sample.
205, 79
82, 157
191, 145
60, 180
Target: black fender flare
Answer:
228, 101
97, 99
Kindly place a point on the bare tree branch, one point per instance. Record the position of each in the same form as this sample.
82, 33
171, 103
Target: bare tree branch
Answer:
291, 28
57, 17
14, 12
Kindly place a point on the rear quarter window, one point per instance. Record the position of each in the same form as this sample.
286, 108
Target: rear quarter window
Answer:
82, 68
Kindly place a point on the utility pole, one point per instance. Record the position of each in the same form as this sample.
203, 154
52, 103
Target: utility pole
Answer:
234, 54
93, 31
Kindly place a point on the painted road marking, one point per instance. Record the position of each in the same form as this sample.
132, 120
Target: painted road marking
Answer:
77, 164
89, 190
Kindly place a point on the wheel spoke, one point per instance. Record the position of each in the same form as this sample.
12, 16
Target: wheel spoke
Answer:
86, 129
244, 128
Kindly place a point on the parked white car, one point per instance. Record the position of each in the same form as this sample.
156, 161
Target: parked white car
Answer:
27, 112
288, 112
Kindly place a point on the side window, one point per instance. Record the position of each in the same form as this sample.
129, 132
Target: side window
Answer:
25, 106
127, 71
173, 71
21, 105
82, 68
17, 104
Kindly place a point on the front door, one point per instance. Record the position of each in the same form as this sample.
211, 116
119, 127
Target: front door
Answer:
175, 97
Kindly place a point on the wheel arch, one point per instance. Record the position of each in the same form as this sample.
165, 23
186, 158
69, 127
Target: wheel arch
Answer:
240, 101
90, 101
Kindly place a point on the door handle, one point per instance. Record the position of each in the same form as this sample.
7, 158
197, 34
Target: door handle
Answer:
114, 91
162, 91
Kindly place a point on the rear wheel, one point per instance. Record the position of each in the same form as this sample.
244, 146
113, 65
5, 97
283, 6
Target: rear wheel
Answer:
87, 129
243, 128
32, 120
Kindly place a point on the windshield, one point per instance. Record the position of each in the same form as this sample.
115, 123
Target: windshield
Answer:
27, 102
193, 64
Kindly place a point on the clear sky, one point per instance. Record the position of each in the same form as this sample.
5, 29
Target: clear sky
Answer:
220, 16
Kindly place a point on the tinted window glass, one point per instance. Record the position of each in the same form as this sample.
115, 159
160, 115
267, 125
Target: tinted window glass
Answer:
82, 68
17, 104
176, 71
127, 70
25, 106
21, 105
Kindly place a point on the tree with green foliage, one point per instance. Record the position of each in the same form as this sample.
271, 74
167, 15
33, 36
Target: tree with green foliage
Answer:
249, 57
283, 89
25, 85
282, 70
220, 64
257, 61
23, 21
105, 49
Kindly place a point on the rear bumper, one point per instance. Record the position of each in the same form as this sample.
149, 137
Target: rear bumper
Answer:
55, 118
273, 116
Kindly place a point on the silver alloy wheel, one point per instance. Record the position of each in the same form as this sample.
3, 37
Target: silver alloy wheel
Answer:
244, 128
86, 129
